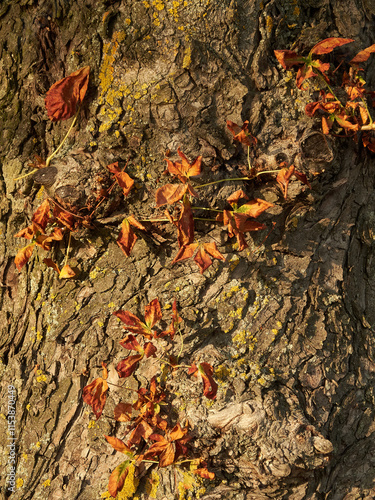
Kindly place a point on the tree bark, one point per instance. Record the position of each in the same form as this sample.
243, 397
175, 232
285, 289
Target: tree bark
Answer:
287, 324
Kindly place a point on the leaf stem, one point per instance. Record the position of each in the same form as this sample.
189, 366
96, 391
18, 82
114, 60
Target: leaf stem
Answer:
238, 178
48, 161
26, 175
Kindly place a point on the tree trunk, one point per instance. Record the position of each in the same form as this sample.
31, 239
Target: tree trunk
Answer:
287, 323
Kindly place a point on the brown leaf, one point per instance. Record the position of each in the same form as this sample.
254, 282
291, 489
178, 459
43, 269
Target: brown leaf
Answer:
50, 263
117, 478
41, 215
64, 97
185, 252
153, 313
209, 385
123, 412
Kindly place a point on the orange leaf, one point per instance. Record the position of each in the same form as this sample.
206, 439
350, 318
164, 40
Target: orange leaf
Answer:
45, 241
185, 252
253, 208
53, 265
143, 430
202, 257
131, 343
122, 178
117, 478
206, 474
327, 45
170, 193
288, 58
66, 95
67, 272
185, 225
153, 313
174, 325
28, 232
41, 215
126, 238
283, 178
118, 445
184, 170
23, 256
363, 55
241, 134
95, 395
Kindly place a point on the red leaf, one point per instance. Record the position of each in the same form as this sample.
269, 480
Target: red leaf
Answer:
209, 384
149, 349
128, 365
173, 326
170, 193
288, 58
28, 232
185, 225
363, 55
66, 95
95, 395
327, 45
241, 134
117, 478
23, 256
184, 170
143, 430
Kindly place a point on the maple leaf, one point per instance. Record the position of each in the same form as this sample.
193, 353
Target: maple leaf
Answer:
133, 324
209, 385
64, 97
95, 394
241, 134
117, 478
23, 256
122, 178
184, 170
127, 238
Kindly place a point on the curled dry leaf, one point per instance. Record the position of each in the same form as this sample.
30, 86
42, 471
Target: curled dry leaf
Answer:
64, 97
23, 256
122, 178
241, 134
123, 412
127, 237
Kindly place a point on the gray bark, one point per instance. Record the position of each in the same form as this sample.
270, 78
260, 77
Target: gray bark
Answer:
288, 324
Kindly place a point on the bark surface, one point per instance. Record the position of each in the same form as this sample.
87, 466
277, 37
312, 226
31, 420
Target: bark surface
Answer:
288, 323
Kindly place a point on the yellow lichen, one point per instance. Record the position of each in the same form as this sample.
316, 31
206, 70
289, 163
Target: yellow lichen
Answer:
130, 485
19, 483
269, 23
152, 484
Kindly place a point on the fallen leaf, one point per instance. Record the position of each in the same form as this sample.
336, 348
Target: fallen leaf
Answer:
23, 256
95, 394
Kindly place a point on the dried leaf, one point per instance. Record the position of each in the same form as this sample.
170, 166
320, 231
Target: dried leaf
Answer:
202, 256
185, 252
327, 45
95, 394
41, 215
363, 55
128, 365
184, 170
66, 272
123, 412
117, 478
253, 208
288, 58
122, 178
153, 313
118, 445
203, 472
23, 256
209, 385
126, 238
170, 193
131, 343
241, 134
50, 263
64, 97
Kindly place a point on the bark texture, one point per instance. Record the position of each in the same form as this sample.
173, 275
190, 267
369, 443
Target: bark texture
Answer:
288, 324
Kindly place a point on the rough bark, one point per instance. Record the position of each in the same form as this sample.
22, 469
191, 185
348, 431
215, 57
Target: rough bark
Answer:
287, 324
